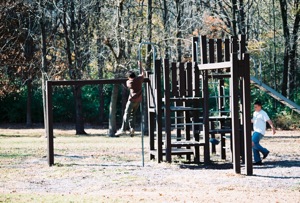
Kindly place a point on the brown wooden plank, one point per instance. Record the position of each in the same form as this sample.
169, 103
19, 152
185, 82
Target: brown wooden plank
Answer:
234, 83
219, 50
195, 48
227, 50
211, 45
166, 73
247, 116
242, 39
158, 102
49, 123
203, 43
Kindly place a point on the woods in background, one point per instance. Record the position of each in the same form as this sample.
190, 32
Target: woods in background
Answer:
94, 39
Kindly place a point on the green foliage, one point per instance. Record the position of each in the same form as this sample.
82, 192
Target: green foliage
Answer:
13, 106
281, 115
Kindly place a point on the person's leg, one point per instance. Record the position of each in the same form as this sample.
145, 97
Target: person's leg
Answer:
126, 116
132, 119
256, 137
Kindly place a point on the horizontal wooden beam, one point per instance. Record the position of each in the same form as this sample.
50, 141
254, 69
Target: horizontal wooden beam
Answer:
89, 82
212, 66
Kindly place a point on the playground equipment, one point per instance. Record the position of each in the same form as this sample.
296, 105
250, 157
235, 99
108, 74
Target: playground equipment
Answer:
276, 95
178, 103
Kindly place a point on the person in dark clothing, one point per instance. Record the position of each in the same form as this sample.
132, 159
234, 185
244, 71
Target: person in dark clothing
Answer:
134, 84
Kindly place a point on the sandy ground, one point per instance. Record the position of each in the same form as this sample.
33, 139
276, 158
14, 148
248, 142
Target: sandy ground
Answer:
96, 168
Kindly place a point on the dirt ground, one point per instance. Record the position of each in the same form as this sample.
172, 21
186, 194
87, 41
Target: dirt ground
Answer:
96, 168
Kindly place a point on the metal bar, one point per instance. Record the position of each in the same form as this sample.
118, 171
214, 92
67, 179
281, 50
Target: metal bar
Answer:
90, 82
49, 124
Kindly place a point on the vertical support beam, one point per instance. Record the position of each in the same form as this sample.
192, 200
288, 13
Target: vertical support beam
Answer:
167, 110
206, 117
221, 107
205, 94
227, 50
158, 110
182, 80
49, 124
219, 50
242, 39
234, 83
196, 116
203, 43
195, 49
247, 116
189, 85
151, 115
211, 43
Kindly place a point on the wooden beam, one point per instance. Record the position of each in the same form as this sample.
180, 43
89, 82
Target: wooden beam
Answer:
211, 66
90, 82
234, 84
49, 123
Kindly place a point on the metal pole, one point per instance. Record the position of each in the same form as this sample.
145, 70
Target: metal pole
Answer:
141, 105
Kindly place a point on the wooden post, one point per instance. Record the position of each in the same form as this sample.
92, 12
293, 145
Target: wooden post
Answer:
195, 48
234, 83
196, 116
205, 100
158, 103
49, 124
167, 111
247, 116
151, 114
227, 50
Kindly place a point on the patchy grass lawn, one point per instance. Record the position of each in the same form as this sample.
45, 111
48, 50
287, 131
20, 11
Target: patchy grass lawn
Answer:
96, 168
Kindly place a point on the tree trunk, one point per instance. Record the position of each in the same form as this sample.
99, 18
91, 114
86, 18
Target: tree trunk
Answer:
283, 7
293, 53
29, 103
113, 111
44, 68
242, 23
234, 20
178, 31
79, 115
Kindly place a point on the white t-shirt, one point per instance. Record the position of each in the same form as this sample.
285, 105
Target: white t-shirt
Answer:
259, 121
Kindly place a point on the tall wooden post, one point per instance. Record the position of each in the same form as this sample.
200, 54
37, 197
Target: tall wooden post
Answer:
49, 123
234, 83
247, 116
158, 102
166, 72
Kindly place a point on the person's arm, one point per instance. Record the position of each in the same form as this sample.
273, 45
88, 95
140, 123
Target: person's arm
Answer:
141, 68
272, 126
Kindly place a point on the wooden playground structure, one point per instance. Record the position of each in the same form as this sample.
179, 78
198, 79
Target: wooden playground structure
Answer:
178, 95
179, 119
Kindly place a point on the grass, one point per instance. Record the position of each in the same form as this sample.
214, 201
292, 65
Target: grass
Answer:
102, 169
